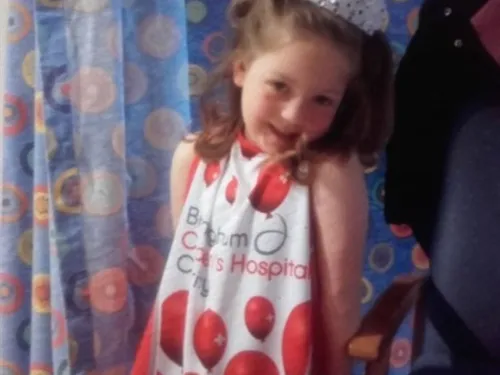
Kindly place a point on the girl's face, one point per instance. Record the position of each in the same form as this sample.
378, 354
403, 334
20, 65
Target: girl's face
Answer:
290, 92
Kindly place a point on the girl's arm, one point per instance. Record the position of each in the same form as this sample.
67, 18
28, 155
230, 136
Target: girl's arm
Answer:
340, 213
180, 175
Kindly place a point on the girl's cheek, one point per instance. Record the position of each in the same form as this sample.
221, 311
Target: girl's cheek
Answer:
317, 128
268, 95
316, 134
266, 100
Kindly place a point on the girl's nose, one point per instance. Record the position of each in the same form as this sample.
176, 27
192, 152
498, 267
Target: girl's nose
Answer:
293, 113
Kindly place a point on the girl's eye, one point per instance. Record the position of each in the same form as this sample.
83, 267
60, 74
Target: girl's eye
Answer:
277, 85
324, 100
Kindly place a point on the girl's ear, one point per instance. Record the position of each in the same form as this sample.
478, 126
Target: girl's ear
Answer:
239, 72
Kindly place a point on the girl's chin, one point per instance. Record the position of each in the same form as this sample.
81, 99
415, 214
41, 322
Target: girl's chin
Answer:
270, 143
274, 144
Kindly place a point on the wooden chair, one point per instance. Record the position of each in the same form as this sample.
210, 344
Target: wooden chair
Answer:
372, 342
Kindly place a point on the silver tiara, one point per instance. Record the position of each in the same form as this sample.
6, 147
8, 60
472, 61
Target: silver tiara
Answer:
368, 15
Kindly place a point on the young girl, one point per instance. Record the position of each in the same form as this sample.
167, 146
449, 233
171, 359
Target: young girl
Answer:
269, 200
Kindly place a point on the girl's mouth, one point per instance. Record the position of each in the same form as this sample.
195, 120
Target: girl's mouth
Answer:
285, 137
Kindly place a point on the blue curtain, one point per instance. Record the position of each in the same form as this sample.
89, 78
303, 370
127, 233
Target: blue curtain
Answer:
98, 94
97, 97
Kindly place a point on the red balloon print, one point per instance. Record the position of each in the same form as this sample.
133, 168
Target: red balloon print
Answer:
251, 363
259, 317
296, 344
212, 173
173, 318
210, 338
231, 190
273, 185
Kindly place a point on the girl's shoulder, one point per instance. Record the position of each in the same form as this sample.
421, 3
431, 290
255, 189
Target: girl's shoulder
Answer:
339, 179
184, 163
185, 153
332, 169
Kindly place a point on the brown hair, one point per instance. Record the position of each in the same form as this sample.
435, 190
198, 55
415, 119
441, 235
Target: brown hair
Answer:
364, 118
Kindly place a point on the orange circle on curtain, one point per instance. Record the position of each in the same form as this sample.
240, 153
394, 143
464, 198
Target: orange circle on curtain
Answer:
102, 193
39, 113
41, 205
164, 129
51, 143
14, 203
93, 90
67, 194
159, 36
144, 177
197, 79
15, 115
118, 141
25, 22
28, 69
108, 290
41, 294
215, 46
367, 288
11, 293
381, 257
8, 368
25, 247
59, 331
39, 369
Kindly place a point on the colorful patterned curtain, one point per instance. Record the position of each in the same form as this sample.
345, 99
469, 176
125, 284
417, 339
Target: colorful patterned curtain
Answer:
96, 99
97, 95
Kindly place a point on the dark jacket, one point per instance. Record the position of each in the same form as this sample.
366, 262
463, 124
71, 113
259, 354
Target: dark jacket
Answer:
444, 69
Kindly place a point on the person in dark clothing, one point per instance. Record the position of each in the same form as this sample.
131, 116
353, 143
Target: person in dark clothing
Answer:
443, 179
